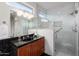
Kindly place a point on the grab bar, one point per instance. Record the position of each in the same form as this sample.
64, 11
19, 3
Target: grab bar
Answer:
58, 30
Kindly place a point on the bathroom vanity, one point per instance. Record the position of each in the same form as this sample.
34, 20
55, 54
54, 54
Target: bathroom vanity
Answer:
33, 47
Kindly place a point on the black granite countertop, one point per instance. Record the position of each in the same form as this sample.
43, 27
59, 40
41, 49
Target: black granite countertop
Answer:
21, 43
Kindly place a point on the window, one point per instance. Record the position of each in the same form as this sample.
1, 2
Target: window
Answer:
43, 17
20, 6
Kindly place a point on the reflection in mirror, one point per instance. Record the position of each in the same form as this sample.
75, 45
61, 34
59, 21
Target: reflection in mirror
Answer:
19, 25
19, 18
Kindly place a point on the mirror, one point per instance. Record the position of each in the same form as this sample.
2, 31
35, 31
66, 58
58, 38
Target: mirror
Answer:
19, 25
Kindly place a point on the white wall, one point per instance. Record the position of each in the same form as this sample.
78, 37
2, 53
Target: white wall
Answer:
4, 16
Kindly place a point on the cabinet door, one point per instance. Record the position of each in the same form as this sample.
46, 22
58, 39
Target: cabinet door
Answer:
41, 43
37, 47
34, 47
41, 46
24, 51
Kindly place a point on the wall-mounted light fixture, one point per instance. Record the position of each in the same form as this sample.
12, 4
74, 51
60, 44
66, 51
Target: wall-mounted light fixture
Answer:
24, 14
28, 15
21, 9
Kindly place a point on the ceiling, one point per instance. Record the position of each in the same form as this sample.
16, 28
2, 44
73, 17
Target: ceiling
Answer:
58, 7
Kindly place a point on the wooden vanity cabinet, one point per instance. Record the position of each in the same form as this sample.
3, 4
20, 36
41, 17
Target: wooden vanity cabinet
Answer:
35, 48
24, 50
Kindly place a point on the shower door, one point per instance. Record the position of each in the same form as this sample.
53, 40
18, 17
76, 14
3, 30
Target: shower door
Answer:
77, 19
66, 37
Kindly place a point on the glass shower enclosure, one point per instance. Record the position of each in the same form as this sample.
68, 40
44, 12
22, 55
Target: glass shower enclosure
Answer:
66, 36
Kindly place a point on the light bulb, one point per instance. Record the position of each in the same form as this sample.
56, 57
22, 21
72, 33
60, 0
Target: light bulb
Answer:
25, 14
19, 12
30, 16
